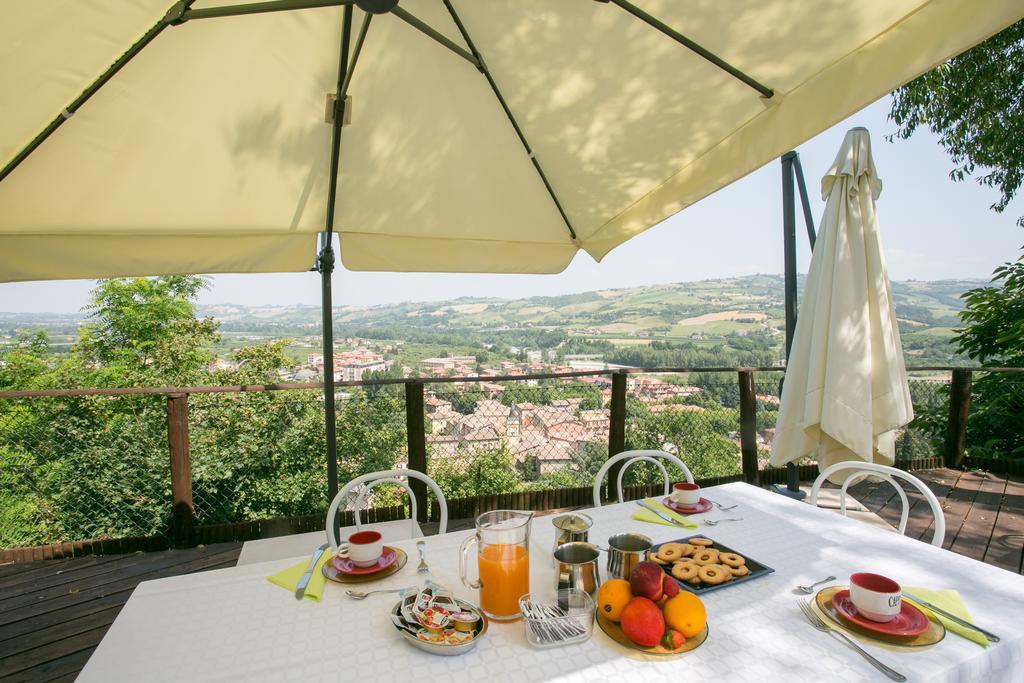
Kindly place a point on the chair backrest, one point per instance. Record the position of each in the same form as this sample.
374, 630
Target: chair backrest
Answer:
631, 458
367, 482
869, 469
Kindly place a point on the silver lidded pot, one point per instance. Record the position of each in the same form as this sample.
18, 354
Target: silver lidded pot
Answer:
573, 527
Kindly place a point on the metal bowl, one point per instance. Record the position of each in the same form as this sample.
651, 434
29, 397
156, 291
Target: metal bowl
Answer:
444, 648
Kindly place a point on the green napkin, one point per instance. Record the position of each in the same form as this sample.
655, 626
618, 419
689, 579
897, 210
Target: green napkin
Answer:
289, 578
645, 515
950, 601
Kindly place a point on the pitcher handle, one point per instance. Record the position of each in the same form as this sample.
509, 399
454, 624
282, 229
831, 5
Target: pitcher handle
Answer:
464, 563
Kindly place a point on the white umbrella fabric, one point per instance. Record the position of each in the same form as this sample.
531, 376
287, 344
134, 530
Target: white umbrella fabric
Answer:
483, 135
846, 390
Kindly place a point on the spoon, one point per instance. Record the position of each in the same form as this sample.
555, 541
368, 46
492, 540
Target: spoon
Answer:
810, 589
361, 595
713, 522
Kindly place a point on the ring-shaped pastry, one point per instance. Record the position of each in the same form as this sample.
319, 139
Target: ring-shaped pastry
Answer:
670, 552
731, 559
712, 574
705, 557
685, 571
700, 540
653, 557
739, 571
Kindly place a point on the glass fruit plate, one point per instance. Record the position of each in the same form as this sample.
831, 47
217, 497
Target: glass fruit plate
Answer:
614, 631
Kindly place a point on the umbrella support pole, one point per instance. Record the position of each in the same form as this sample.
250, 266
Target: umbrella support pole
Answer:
791, 170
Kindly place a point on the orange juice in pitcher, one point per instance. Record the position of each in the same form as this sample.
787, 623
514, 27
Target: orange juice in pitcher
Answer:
503, 561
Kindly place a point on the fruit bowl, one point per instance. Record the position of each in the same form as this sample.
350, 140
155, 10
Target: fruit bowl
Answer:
614, 631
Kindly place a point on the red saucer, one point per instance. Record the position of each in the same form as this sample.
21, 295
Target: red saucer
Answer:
703, 505
345, 566
908, 623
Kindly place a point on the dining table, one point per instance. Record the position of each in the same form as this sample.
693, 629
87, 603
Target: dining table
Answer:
233, 624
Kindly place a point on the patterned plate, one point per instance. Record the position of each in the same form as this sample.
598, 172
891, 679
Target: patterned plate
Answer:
935, 633
347, 567
333, 574
614, 631
703, 505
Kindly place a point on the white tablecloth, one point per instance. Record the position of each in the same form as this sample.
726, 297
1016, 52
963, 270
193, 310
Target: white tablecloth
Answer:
232, 624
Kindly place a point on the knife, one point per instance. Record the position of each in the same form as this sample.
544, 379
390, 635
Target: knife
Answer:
991, 637
670, 520
300, 590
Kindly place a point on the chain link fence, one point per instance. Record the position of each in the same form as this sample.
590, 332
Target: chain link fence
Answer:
87, 467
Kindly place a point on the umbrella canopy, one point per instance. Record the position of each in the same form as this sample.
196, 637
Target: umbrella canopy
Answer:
846, 390
483, 136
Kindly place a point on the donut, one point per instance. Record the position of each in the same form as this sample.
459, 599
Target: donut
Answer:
712, 574
731, 559
739, 571
706, 557
653, 557
670, 552
726, 572
686, 549
685, 571
701, 541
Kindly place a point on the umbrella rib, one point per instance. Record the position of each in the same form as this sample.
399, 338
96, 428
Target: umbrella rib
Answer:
508, 112
68, 111
426, 29
656, 23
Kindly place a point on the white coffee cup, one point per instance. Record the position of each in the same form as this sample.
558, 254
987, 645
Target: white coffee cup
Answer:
686, 494
875, 596
363, 548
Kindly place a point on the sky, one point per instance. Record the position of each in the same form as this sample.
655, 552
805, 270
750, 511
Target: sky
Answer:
932, 228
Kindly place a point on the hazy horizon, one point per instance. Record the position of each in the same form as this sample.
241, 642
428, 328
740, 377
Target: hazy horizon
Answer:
932, 229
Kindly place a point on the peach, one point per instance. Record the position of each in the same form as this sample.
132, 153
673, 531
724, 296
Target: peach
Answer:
642, 622
646, 580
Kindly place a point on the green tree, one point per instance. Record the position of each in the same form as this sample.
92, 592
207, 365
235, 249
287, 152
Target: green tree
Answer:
992, 333
975, 104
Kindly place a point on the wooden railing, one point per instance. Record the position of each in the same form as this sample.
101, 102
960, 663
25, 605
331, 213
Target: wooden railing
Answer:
184, 531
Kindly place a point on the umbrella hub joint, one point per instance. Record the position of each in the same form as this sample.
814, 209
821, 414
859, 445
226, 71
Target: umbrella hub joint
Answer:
176, 14
325, 260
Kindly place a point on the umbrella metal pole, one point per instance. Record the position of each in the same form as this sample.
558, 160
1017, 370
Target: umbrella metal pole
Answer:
326, 267
792, 487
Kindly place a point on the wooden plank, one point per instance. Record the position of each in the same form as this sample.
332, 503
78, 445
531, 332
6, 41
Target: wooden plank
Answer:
61, 631
29, 573
45, 654
941, 482
63, 668
1006, 546
19, 607
958, 504
976, 530
86, 574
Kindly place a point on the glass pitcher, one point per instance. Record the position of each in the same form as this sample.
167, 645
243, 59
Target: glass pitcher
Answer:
503, 561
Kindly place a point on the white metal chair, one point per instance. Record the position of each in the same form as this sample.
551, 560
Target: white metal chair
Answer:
869, 469
631, 458
295, 545
363, 485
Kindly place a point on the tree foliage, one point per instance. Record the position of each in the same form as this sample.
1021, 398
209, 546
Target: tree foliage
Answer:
973, 103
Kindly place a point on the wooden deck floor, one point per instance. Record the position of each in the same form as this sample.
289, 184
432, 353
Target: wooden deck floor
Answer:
984, 513
53, 613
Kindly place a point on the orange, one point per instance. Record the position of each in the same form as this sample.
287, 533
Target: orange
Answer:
685, 613
612, 598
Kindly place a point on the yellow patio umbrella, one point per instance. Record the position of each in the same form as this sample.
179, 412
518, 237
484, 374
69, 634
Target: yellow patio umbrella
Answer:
145, 137
484, 135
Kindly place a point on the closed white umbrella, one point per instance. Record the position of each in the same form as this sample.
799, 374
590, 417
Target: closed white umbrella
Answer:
846, 390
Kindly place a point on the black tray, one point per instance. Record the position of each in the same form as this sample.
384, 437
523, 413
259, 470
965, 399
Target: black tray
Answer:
757, 569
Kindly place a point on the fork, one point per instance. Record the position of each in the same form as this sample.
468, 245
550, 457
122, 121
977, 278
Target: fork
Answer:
817, 623
713, 522
422, 568
724, 508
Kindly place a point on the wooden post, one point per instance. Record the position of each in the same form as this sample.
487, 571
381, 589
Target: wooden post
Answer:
182, 510
748, 425
616, 427
956, 428
416, 438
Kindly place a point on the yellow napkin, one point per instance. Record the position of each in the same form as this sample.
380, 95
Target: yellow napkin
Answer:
950, 601
289, 578
645, 515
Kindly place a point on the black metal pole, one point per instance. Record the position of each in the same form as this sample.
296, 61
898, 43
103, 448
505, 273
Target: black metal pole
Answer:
805, 203
792, 488
326, 263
